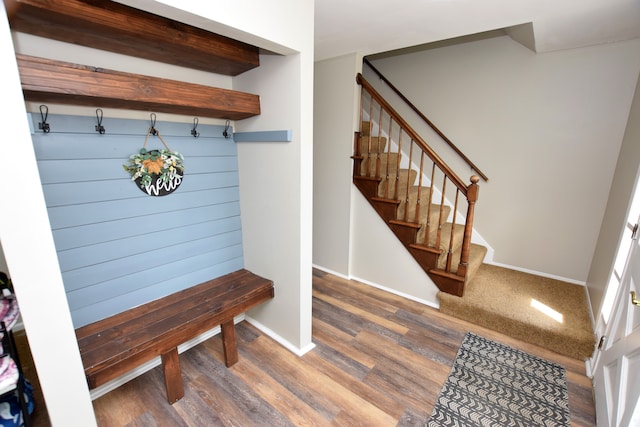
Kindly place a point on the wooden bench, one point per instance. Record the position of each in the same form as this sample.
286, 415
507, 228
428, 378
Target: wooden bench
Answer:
113, 346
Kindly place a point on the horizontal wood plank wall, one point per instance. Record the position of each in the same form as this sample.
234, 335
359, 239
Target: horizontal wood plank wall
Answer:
117, 246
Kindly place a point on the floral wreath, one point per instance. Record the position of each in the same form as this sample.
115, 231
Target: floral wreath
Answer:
149, 166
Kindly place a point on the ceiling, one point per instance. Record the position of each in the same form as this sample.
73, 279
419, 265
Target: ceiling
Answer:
377, 26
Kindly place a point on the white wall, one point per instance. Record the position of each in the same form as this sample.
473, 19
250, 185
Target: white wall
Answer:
276, 196
276, 178
31, 259
379, 259
622, 188
350, 239
335, 121
284, 26
546, 129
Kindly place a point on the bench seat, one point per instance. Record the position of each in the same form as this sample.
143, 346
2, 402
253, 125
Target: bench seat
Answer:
115, 345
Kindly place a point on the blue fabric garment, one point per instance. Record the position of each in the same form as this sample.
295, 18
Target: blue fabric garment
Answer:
10, 412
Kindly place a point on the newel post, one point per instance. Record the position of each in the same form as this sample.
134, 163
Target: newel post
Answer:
472, 197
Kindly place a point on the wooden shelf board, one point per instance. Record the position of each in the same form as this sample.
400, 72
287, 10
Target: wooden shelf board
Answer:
115, 27
46, 80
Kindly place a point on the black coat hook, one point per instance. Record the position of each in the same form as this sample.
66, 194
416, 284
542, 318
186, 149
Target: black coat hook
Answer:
226, 133
194, 132
99, 128
44, 113
152, 129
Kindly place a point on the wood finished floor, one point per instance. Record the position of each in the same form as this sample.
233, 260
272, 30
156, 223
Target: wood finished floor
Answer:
379, 360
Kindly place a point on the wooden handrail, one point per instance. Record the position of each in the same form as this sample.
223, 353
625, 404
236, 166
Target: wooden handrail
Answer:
426, 120
413, 134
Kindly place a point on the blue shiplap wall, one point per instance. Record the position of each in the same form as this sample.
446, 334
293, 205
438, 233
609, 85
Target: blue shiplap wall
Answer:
117, 246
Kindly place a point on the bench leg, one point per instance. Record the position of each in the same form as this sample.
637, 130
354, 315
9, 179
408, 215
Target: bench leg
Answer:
229, 343
172, 375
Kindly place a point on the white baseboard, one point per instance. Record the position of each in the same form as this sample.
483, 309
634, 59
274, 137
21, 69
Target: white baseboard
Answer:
328, 270
283, 342
538, 273
435, 305
395, 292
378, 286
589, 366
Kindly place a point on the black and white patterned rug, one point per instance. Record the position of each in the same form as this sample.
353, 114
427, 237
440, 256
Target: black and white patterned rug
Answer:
492, 384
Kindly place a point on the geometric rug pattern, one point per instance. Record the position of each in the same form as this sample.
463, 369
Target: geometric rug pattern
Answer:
492, 384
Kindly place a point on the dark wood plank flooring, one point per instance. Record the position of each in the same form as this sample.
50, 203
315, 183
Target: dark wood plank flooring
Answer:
379, 360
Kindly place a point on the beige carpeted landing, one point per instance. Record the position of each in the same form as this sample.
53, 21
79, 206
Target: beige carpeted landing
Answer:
501, 299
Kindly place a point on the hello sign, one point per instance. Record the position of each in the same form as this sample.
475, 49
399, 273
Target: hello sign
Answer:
156, 172
159, 186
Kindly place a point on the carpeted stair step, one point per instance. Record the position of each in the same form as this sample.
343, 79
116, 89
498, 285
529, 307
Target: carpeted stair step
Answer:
432, 213
451, 281
476, 257
445, 236
501, 299
428, 215
369, 165
372, 144
365, 128
415, 193
387, 187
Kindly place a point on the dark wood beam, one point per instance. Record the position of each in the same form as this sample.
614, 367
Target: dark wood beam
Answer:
46, 80
115, 27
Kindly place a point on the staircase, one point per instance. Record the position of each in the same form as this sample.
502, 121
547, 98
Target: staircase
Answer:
431, 210
425, 204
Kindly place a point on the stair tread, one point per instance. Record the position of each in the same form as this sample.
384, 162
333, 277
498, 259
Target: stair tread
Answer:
384, 200
415, 225
421, 247
367, 178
